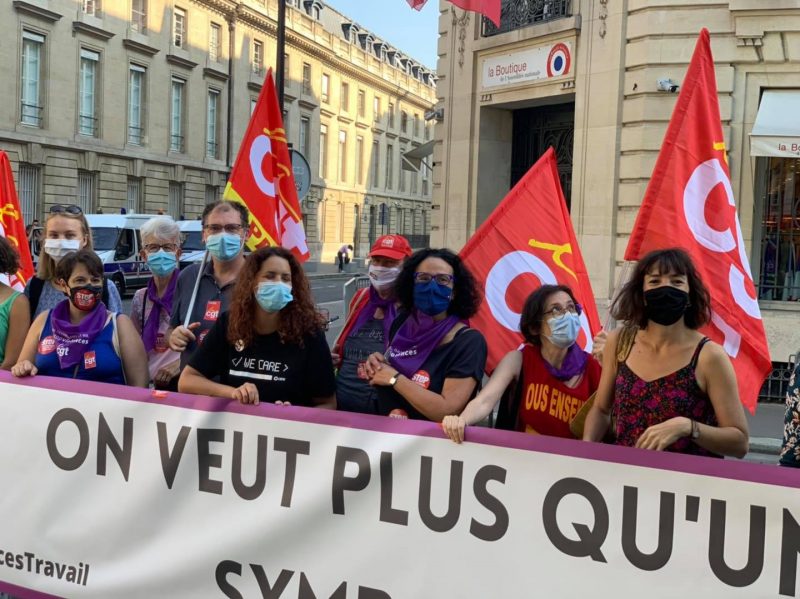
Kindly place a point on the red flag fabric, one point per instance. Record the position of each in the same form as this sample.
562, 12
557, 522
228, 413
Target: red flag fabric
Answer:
488, 8
262, 179
12, 226
528, 241
689, 204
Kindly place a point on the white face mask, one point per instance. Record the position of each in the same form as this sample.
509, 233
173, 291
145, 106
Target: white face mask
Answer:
383, 277
58, 248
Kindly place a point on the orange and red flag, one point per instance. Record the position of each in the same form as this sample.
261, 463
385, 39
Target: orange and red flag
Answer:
689, 204
528, 241
12, 226
262, 179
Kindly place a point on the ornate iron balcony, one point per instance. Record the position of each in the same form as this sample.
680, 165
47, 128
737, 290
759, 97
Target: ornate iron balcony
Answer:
516, 14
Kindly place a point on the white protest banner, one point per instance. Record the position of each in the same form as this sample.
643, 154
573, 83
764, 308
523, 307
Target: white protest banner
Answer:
110, 492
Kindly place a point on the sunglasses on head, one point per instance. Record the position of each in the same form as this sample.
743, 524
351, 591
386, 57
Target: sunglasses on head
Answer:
69, 209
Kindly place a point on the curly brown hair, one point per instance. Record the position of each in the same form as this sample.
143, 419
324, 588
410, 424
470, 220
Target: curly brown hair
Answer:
9, 257
298, 319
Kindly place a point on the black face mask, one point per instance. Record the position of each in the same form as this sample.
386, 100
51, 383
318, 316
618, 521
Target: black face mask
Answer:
665, 305
86, 297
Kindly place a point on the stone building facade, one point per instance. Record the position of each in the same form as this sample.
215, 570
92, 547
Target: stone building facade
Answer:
601, 81
141, 105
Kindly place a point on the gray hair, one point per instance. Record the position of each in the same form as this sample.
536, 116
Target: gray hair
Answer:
162, 228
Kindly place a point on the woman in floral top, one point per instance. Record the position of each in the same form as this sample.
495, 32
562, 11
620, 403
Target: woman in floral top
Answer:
790, 452
674, 390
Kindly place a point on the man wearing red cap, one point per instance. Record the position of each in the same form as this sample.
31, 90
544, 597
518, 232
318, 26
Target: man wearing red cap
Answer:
366, 329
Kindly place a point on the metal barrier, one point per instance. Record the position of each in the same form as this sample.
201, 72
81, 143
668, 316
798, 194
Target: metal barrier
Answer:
776, 384
349, 290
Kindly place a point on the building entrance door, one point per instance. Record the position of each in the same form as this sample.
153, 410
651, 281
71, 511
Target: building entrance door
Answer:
536, 129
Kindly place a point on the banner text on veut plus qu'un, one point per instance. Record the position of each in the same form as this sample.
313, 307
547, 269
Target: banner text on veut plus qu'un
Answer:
109, 492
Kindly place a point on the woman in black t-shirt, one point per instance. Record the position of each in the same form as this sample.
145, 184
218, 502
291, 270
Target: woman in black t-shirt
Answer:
434, 362
270, 346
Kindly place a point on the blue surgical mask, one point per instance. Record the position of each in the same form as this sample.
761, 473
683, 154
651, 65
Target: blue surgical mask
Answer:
431, 298
564, 329
224, 246
273, 297
162, 263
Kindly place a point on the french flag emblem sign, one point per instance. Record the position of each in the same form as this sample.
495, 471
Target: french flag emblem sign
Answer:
559, 61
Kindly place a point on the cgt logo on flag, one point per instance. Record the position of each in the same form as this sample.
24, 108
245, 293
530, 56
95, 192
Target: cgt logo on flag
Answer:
528, 241
689, 203
262, 179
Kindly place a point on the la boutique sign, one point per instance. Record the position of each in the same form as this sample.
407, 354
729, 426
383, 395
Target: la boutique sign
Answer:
532, 64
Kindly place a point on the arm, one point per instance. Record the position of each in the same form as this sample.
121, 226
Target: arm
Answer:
434, 406
25, 365
193, 381
599, 417
131, 349
327, 403
19, 319
483, 404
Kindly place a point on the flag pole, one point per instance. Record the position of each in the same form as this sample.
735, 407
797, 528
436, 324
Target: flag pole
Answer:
281, 58
624, 275
187, 321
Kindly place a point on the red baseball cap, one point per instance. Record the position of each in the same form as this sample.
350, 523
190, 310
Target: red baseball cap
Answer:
395, 247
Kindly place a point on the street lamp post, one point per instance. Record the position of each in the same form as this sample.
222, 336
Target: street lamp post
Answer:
280, 62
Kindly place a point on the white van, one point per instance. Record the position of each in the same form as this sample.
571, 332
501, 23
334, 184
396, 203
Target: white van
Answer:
117, 242
192, 247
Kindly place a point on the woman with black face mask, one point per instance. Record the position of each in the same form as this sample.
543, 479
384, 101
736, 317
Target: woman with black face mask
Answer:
79, 338
433, 362
674, 390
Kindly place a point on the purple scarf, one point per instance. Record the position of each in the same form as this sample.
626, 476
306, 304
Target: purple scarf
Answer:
375, 301
150, 328
73, 340
574, 363
416, 339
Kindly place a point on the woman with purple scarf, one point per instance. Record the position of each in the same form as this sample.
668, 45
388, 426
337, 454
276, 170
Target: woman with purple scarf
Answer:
434, 362
80, 338
152, 306
548, 380
366, 329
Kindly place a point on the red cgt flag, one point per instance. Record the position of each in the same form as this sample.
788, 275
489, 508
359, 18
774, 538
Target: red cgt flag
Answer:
528, 241
262, 179
488, 8
689, 203
12, 227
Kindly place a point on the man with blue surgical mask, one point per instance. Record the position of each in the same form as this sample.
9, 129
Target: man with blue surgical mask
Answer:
151, 308
225, 229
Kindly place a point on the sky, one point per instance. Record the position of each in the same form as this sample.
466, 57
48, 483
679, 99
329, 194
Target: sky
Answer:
414, 33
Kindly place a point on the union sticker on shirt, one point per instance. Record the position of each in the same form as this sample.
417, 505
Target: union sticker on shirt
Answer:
212, 310
161, 344
47, 345
89, 360
422, 378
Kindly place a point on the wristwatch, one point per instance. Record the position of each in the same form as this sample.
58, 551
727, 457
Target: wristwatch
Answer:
695, 430
393, 380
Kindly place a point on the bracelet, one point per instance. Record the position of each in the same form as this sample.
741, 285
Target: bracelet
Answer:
695, 430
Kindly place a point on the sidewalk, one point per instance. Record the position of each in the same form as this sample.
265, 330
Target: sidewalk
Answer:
326, 270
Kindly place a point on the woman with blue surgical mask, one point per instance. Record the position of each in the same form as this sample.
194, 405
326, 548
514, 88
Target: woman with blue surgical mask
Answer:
151, 308
270, 345
434, 361
544, 383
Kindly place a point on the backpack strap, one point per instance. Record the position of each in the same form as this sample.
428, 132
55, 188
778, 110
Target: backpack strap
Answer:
35, 287
115, 343
105, 292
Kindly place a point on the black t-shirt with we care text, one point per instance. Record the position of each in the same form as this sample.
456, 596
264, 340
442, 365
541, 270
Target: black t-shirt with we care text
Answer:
463, 357
280, 371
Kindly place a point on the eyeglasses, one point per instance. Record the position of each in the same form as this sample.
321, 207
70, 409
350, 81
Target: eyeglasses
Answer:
233, 229
152, 248
69, 209
441, 279
559, 311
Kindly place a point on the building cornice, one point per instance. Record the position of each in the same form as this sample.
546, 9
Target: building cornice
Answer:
35, 10
91, 30
140, 47
180, 61
215, 74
